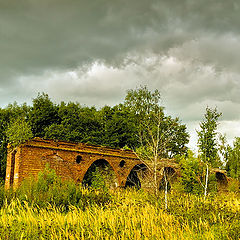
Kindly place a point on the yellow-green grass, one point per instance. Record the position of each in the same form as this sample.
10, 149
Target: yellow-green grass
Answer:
130, 215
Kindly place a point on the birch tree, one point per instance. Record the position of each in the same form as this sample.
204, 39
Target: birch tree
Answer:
207, 142
160, 136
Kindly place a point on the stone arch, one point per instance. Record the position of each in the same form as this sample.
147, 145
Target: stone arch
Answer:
171, 176
222, 180
102, 169
136, 176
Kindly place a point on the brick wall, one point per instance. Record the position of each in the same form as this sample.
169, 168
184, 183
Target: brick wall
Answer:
72, 160
69, 160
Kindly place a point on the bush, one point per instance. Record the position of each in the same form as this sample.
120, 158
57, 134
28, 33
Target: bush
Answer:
193, 176
49, 189
191, 172
2, 194
233, 185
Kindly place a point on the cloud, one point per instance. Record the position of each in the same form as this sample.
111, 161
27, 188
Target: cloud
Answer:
93, 51
62, 34
187, 87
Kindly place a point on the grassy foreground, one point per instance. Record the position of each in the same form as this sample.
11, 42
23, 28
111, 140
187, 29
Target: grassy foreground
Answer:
124, 214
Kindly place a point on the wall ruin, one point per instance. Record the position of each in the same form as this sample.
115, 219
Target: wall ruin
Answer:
69, 160
72, 161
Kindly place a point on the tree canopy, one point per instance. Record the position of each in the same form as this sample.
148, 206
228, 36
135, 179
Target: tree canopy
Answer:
162, 135
114, 126
233, 164
207, 137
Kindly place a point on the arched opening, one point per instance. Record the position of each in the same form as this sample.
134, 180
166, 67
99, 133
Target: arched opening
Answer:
122, 163
78, 159
137, 176
221, 180
170, 174
100, 175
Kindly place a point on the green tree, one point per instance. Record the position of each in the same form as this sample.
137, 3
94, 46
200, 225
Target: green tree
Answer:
207, 141
43, 114
233, 164
167, 135
118, 127
18, 132
191, 173
157, 133
207, 137
224, 149
77, 123
7, 116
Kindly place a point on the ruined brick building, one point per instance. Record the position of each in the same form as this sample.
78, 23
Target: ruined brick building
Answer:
69, 160
74, 160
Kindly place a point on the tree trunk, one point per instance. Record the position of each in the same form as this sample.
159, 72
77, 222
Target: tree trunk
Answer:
166, 190
155, 176
206, 184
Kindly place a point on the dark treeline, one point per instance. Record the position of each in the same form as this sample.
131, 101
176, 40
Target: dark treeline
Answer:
115, 126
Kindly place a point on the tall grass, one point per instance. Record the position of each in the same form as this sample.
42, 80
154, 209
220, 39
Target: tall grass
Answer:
52, 209
130, 215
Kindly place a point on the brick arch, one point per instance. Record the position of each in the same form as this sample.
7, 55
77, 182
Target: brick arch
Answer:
32, 156
88, 165
129, 170
171, 174
222, 180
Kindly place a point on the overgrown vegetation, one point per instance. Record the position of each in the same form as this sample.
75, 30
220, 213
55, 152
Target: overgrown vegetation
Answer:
52, 209
109, 126
190, 208
49, 189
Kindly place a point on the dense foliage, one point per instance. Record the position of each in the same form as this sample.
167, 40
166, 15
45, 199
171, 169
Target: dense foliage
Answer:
51, 209
233, 164
115, 126
193, 174
207, 137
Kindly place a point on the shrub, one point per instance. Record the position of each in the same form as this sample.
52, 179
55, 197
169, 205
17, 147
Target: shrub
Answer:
2, 194
49, 189
193, 176
233, 185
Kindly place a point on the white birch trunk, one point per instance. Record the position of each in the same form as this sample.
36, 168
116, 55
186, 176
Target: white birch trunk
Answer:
166, 190
206, 184
155, 176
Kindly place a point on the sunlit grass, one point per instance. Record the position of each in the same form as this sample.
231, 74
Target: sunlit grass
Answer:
130, 215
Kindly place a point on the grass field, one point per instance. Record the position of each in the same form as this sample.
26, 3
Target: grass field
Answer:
124, 214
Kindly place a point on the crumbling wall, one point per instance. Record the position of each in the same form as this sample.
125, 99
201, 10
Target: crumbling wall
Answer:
69, 160
72, 160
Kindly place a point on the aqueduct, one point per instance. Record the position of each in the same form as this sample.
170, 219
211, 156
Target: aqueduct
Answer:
69, 160
75, 160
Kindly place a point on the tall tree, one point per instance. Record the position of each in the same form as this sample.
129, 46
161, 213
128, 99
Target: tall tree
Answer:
207, 141
43, 113
233, 164
157, 133
224, 150
7, 116
18, 132
118, 127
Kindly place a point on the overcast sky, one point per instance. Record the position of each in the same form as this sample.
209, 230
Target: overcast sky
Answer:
92, 51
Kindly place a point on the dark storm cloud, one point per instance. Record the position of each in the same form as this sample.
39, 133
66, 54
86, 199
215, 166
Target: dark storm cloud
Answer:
93, 51
63, 34
38, 35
